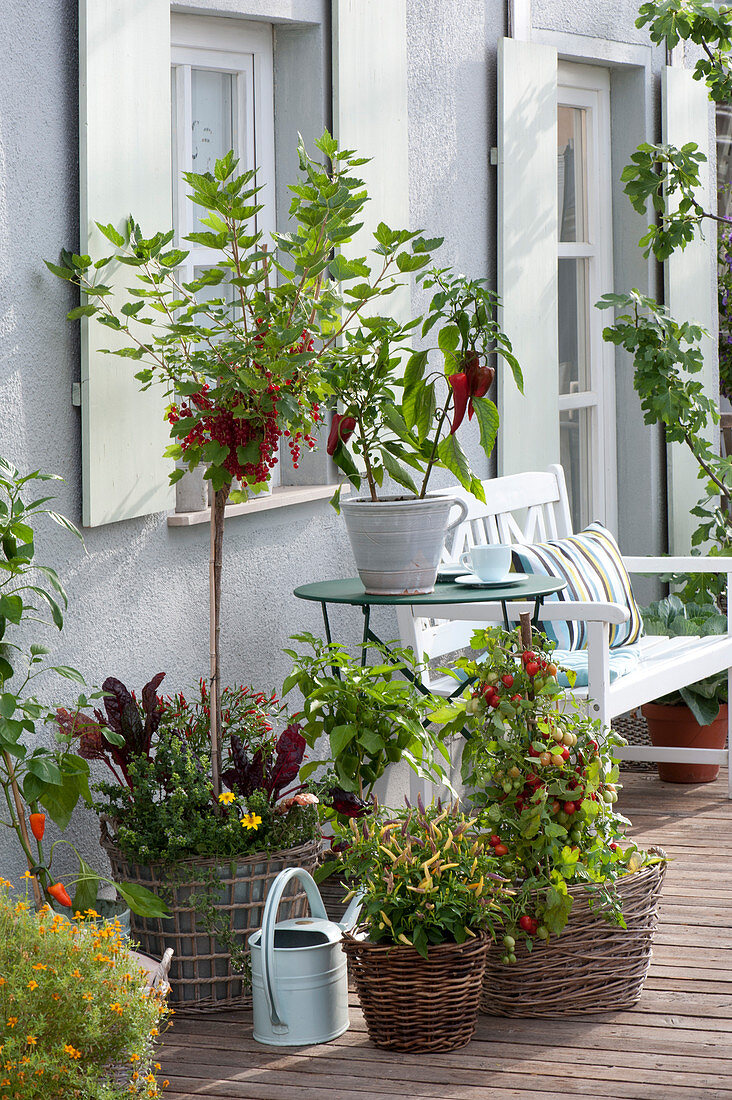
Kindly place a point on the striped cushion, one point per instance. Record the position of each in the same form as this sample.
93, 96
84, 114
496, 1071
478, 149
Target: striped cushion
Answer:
591, 565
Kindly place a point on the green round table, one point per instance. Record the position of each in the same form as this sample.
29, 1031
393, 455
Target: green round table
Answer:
351, 591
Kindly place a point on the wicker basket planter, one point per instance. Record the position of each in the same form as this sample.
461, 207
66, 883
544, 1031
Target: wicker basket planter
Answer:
201, 974
594, 966
418, 1005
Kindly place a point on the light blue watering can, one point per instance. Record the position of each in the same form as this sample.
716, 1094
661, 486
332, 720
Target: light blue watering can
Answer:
299, 978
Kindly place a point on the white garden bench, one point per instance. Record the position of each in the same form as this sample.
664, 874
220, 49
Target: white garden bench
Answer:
533, 507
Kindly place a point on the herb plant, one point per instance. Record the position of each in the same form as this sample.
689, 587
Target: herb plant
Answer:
427, 875
544, 780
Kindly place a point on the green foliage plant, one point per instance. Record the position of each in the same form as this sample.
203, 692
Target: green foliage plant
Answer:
670, 22
369, 716
239, 349
675, 617
400, 417
427, 875
544, 783
75, 1008
32, 777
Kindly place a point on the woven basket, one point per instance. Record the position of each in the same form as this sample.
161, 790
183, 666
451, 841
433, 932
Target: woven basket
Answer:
594, 966
634, 728
201, 975
416, 1004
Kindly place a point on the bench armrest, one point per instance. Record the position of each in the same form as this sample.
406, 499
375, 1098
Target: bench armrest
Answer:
553, 611
686, 564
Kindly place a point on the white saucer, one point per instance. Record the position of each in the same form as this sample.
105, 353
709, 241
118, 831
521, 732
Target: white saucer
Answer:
471, 581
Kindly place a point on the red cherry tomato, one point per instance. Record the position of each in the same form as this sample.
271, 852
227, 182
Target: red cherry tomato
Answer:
556, 806
507, 679
500, 850
526, 922
564, 753
569, 807
533, 751
531, 668
517, 699
495, 839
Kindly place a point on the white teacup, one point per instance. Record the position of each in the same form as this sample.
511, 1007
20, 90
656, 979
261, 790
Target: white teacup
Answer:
490, 563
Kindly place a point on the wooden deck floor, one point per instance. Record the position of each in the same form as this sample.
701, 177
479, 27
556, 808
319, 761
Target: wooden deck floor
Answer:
676, 1044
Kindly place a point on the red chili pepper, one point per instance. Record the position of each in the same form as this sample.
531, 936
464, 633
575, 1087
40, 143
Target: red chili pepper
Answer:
341, 430
59, 892
459, 383
38, 825
480, 378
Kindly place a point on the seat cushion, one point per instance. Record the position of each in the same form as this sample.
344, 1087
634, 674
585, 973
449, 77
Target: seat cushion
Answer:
591, 564
623, 659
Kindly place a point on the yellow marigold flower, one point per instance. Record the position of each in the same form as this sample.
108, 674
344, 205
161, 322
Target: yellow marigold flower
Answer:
38, 966
2, 982
27, 874
71, 1051
31, 1040
134, 1057
154, 1031
116, 1007
74, 973
227, 797
32, 985
87, 996
135, 1075
12, 1021
251, 821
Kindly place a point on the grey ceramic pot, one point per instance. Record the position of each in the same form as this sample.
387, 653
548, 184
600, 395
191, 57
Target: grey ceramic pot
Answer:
398, 542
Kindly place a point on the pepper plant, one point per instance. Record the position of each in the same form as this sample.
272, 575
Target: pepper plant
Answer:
238, 349
370, 715
400, 416
426, 874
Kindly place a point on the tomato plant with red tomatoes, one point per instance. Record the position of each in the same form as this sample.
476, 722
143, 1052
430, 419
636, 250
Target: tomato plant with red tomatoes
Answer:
545, 781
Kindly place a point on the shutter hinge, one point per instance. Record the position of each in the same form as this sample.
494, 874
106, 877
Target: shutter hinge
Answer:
76, 394
494, 156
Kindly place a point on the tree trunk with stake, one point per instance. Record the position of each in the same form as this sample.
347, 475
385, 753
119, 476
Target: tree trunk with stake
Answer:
218, 504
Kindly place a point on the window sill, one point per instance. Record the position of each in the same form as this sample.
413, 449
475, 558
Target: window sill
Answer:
281, 497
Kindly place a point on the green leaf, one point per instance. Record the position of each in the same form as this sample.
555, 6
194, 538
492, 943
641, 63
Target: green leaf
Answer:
453, 458
111, 234
340, 737
448, 339
397, 472
87, 888
45, 769
141, 901
486, 414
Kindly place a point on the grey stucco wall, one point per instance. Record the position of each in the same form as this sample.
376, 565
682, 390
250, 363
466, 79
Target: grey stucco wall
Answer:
138, 591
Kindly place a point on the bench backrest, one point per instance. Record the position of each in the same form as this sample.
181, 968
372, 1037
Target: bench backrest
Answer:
519, 508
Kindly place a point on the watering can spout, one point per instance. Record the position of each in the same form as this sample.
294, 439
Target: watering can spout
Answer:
350, 917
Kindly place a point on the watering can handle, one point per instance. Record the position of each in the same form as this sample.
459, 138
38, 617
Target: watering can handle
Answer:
269, 920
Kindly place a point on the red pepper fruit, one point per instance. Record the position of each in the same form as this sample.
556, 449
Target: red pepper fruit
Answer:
59, 892
479, 378
460, 394
341, 429
38, 825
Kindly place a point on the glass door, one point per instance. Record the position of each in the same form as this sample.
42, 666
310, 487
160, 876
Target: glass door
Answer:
584, 261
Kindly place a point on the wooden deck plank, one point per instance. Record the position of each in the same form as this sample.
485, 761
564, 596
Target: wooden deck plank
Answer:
675, 1043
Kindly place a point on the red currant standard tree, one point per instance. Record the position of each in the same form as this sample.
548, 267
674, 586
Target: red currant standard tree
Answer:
238, 348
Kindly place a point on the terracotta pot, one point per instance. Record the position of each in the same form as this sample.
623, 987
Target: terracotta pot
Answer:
676, 727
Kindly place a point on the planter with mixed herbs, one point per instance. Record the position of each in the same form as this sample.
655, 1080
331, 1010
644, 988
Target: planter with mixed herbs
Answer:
210, 859
577, 932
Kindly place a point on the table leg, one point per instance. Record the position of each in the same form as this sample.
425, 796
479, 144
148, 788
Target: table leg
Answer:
367, 635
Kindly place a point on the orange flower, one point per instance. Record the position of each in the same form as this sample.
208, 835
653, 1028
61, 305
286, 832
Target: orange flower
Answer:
38, 966
32, 985
71, 1051
31, 1040
12, 1021
116, 1007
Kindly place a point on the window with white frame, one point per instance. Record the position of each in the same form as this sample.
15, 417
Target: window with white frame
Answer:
222, 98
586, 364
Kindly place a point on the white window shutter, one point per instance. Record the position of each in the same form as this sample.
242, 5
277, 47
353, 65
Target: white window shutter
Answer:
124, 98
370, 114
527, 253
690, 289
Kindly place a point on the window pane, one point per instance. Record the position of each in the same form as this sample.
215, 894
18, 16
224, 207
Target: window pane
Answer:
574, 307
575, 427
212, 122
572, 173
